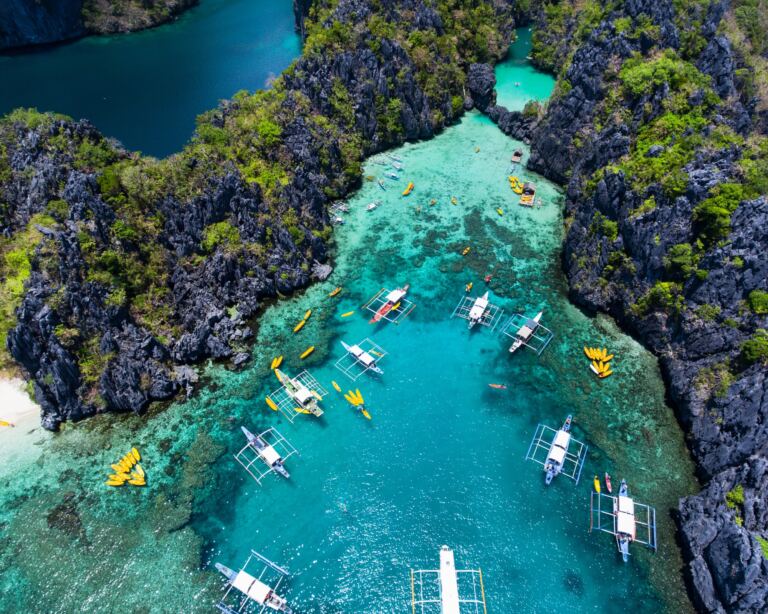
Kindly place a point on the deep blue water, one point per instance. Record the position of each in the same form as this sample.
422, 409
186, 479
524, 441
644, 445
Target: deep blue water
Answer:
146, 88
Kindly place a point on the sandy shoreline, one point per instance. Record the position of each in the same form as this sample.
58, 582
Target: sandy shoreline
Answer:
15, 405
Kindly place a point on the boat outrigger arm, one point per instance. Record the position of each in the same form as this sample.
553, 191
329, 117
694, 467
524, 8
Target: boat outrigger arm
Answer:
441, 589
298, 395
527, 332
558, 452
478, 310
628, 521
268, 447
360, 358
253, 588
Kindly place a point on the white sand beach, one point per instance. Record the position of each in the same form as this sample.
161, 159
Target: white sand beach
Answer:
15, 405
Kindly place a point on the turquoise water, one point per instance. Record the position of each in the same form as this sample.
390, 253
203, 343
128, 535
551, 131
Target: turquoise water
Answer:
146, 88
517, 81
441, 461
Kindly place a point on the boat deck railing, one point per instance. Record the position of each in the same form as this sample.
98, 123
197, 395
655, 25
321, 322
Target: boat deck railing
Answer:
603, 517
250, 459
491, 317
270, 572
426, 590
285, 402
404, 308
573, 463
537, 342
351, 366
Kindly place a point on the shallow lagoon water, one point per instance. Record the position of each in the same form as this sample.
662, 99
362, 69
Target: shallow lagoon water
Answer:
146, 88
441, 461
517, 81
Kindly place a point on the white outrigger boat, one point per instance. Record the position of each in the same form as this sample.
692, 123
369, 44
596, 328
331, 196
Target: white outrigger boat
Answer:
392, 175
525, 332
267, 453
366, 360
626, 531
394, 297
306, 398
478, 310
253, 588
371, 206
447, 590
621, 516
557, 451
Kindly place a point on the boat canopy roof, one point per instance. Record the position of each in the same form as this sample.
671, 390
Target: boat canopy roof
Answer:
562, 439
363, 356
626, 505
625, 523
395, 295
269, 454
250, 586
529, 188
303, 395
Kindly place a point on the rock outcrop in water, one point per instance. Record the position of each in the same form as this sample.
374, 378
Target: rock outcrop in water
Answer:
658, 132
120, 271
31, 22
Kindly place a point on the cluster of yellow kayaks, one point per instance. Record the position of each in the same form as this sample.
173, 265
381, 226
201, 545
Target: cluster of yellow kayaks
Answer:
601, 361
128, 471
355, 398
515, 184
276, 362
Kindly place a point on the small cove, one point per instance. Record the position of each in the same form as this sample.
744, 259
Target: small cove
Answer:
442, 460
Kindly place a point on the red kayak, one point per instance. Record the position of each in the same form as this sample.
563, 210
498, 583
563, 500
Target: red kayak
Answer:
498, 386
608, 482
488, 278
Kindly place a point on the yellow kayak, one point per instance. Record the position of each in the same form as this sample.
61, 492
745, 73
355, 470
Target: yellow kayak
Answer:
454, 200
301, 410
500, 211
517, 190
276, 362
118, 468
605, 374
597, 484
396, 306
307, 314
366, 414
466, 251
299, 326
346, 315
135, 454
609, 358
588, 352
271, 403
307, 352
137, 482
335, 292
336, 387
408, 189
5, 423
119, 477
114, 483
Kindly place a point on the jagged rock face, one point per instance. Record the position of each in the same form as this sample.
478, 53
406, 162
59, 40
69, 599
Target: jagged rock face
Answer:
727, 425
31, 22
481, 82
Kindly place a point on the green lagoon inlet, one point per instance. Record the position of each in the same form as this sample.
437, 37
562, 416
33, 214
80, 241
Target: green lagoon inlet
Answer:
442, 461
